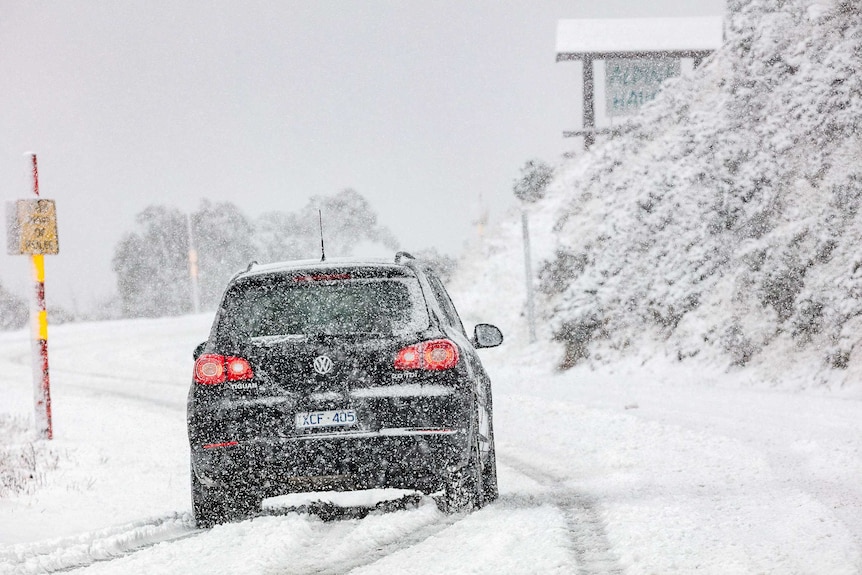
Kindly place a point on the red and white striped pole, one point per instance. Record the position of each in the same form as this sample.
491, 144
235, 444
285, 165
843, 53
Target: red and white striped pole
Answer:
41, 381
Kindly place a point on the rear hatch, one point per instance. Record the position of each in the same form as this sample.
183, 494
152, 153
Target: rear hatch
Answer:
321, 347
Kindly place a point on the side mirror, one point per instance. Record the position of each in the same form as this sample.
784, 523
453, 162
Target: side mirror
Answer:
199, 350
487, 335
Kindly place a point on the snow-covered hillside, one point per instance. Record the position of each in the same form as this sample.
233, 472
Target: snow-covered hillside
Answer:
722, 225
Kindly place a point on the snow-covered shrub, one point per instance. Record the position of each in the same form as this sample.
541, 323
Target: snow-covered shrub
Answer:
735, 343
13, 310
23, 462
534, 180
445, 265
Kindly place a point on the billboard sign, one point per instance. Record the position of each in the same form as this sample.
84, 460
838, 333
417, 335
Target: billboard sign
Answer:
630, 83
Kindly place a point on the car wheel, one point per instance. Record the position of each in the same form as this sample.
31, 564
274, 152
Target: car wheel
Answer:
212, 506
463, 490
490, 492
207, 505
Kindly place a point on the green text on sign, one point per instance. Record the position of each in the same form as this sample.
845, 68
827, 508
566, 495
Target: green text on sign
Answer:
630, 83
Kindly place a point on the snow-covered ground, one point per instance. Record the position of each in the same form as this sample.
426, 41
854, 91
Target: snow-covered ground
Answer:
633, 468
651, 456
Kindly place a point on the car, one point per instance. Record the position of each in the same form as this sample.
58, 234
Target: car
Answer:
339, 375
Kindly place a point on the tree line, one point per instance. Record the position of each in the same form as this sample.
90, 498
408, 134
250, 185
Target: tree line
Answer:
152, 262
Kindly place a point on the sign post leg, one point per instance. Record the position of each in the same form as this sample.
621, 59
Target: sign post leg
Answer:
41, 380
589, 105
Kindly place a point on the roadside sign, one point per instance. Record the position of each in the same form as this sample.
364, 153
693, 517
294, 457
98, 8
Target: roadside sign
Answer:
630, 83
31, 227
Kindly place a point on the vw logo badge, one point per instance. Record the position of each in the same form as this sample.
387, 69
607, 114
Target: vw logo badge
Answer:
322, 364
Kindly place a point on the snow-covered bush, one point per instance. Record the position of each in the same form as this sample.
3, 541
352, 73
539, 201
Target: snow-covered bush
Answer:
23, 462
13, 310
443, 264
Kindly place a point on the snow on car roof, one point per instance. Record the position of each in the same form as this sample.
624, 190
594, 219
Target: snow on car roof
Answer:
317, 264
639, 35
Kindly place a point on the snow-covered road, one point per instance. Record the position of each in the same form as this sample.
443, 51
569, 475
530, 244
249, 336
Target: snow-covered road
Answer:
650, 468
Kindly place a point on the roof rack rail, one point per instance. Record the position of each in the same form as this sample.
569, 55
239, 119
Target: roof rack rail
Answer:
400, 255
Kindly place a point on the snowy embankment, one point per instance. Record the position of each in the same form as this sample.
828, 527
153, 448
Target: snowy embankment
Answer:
723, 222
631, 469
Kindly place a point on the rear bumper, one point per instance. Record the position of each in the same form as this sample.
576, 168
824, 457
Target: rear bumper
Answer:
407, 458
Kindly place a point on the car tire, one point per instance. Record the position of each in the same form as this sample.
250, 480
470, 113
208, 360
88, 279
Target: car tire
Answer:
212, 506
463, 489
490, 491
207, 505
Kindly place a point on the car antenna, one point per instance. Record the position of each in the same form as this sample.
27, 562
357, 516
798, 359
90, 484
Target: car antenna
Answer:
322, 251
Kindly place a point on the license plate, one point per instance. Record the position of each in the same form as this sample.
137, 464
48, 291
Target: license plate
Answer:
335, 418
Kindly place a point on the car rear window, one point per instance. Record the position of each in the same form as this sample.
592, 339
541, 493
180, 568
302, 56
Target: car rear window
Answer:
324, 304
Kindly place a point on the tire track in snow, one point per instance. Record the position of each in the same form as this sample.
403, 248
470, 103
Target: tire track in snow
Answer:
112, 543
69, 553
365, 557
372, 556
25, 359
587, 531
99, 391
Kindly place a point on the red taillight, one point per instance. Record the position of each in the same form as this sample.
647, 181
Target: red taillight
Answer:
435, 355
238, 369
408, 358
211, 369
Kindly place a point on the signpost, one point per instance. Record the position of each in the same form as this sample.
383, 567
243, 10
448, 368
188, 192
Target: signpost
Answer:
530, 187
32, 230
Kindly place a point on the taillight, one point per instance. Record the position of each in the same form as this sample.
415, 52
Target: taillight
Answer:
238, 369
435, 355
211, 369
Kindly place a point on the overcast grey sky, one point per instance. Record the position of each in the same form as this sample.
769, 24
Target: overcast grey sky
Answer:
420, 106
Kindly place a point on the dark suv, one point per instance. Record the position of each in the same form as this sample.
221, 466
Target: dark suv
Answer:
339, 376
